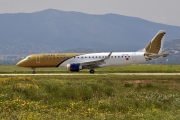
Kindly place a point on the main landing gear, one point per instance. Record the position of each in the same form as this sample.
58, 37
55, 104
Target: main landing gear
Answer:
34, 71
92, 71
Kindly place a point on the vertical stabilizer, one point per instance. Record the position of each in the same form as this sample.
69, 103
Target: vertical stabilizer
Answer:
156, 44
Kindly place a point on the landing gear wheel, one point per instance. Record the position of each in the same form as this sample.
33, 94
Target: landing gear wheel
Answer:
92, 71
34, 71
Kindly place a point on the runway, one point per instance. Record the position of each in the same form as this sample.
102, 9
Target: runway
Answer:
85, 74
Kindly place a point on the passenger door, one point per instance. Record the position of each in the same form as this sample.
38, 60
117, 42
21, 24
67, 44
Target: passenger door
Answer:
38, 59
134, 57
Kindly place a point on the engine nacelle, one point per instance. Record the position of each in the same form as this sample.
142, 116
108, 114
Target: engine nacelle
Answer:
74, 67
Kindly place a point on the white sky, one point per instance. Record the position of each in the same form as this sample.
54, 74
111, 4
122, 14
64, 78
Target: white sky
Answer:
161, 11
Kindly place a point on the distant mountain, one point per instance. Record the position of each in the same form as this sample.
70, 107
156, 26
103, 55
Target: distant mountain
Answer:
53, 31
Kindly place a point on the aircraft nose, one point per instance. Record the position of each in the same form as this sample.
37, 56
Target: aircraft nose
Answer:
19, 64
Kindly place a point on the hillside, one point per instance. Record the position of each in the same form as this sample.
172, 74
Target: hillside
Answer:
54, 31
170, 46
173, 48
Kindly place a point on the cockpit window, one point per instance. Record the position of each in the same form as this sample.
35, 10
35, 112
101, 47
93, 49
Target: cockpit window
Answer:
27, 58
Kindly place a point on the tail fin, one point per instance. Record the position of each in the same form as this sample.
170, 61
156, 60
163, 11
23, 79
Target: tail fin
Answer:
156, 44
154, 49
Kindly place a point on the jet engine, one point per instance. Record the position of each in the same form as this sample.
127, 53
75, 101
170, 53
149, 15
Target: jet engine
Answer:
74, 67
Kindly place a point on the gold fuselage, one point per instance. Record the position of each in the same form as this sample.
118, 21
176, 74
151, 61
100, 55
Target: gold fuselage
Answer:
45, 60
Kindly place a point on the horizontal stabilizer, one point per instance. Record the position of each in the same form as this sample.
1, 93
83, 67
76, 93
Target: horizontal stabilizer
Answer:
155, 56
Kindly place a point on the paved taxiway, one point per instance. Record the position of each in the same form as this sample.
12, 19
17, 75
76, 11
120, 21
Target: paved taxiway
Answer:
67, 74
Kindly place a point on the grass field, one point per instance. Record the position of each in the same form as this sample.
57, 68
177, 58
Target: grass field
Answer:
119, 69
99, 97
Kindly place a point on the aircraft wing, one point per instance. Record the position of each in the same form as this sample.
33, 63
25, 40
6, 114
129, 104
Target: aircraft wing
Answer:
96, 63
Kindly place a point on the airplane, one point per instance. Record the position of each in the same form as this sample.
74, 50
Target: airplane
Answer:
78, 61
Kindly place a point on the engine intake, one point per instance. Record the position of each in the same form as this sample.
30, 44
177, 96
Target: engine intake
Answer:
74, 67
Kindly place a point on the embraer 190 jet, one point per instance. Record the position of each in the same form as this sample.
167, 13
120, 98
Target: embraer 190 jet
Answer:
78, 61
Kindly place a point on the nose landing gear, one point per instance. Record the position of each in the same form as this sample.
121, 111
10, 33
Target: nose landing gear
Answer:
34, 71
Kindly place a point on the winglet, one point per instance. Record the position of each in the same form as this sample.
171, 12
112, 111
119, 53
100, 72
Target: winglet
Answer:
108, 56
